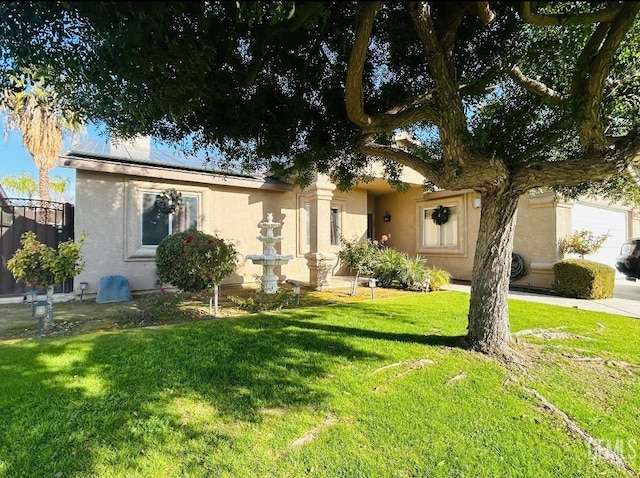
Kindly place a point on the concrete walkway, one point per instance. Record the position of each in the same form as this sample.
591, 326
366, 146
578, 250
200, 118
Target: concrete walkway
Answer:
625, 301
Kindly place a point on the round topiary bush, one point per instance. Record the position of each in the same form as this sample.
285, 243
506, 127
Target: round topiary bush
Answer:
583, 279
194, 261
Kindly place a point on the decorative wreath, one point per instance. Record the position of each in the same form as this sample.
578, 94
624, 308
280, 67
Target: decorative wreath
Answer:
169, 201
440, 215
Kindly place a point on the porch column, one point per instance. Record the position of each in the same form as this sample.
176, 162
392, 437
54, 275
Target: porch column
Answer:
319, 258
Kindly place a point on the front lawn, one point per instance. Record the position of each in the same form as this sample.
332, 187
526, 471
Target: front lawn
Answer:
370, 388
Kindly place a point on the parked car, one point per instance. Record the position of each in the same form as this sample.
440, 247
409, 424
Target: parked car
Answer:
628, 262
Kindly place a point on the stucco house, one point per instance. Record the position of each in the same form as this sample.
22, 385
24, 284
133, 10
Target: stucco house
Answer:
116, 185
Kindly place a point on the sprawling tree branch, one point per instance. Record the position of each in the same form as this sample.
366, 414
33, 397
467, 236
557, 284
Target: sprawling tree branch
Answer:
534, 86
481, 174
413, 110
606, 15
427, 104
592, 167
484, 12
481, 84
368, 146
593, 67
452, 14
353, 87
454, 134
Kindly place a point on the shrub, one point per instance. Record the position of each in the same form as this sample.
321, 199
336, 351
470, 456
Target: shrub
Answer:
583, 243
41, 265
360, 257
157, 308
395, 266
438, 278
583, 279
260, 301
194, 261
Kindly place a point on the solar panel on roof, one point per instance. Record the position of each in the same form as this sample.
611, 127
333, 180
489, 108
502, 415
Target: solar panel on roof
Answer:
128, 153
143, 156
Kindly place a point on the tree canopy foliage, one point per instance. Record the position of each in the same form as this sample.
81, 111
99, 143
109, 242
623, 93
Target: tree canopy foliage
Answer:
266, 81
503, 97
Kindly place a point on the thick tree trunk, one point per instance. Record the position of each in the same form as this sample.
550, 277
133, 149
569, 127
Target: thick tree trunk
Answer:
488, 330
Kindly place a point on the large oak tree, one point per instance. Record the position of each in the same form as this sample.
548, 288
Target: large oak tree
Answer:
504, 97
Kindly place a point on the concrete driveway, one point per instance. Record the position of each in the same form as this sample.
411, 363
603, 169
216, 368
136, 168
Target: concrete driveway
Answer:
625, 301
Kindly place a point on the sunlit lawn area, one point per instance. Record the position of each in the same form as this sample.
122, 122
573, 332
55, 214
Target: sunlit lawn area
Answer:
362, 389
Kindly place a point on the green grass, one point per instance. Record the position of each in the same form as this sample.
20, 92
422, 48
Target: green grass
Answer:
231, 397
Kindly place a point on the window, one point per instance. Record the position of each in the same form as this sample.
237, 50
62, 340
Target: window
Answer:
434, 235
303, 226
335, 226
448, 239
307, 225
156, 227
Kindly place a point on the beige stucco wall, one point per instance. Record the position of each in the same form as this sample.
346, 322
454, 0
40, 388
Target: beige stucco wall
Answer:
109, 211
542, 222
540, 225
353, 220
354, 214
405, 227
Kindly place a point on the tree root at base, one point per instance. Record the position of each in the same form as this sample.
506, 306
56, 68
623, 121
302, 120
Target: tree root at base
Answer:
312, 434
600, 450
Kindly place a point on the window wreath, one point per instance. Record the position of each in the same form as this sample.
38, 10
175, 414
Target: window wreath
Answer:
440, 215
169, 201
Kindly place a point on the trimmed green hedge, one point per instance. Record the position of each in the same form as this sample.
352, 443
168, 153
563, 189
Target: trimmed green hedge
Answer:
583, 279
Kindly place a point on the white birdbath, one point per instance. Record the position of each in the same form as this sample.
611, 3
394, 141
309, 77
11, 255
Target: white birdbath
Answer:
269, 259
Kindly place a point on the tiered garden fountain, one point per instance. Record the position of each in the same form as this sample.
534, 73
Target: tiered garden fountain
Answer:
269, 258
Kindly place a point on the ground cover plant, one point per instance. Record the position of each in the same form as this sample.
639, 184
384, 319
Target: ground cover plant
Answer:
357, 388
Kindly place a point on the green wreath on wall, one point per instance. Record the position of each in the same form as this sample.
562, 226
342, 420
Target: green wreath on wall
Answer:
169, 201
440, 215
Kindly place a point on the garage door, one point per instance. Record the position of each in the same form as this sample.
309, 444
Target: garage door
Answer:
600, 220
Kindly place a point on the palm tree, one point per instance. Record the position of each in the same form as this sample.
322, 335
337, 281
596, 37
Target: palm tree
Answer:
36, 112
24, 185
58, 186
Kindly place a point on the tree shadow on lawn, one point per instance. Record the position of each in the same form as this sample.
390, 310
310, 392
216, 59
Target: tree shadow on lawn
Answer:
389, 323
425, 339
62, 401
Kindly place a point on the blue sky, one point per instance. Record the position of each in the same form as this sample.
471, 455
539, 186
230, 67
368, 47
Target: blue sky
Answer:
15, 160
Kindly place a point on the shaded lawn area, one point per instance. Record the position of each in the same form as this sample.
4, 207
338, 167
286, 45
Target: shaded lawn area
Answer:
373, 388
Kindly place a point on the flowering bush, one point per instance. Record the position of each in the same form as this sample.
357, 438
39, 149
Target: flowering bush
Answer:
194, 261
41, 265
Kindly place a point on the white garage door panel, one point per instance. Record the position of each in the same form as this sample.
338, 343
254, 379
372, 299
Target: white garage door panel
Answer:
600, 220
